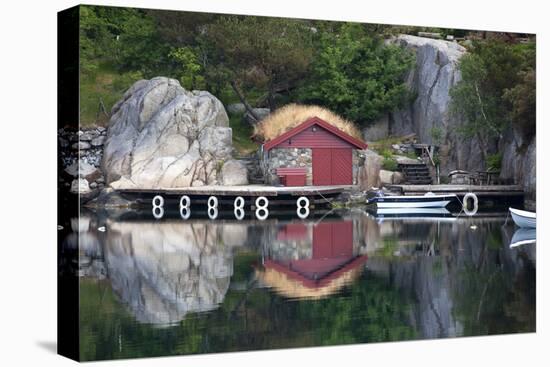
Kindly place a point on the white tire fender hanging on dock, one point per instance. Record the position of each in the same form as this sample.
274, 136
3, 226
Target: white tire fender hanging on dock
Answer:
465, 205
302, 209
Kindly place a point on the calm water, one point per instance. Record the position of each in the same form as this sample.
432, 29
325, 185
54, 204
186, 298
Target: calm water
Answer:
153, 287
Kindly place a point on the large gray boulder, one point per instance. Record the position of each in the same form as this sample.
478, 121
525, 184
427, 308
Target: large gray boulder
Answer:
261, 113
161, 135
234, 173
369, 173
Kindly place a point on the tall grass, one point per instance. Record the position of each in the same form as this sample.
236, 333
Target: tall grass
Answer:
292, 115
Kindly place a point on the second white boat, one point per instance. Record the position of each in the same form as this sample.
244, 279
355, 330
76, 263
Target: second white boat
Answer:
411, 201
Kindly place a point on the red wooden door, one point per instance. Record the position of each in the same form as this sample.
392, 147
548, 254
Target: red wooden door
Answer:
332, 166
341, 166
321, 166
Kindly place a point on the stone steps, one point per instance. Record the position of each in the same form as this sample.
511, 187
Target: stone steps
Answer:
416, 174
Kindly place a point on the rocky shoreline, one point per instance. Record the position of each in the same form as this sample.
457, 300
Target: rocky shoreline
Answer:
80, 153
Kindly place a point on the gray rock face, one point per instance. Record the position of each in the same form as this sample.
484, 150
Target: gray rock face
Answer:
80, 186
386, 177
236, 109
369, 174
377, 130
435, 73
519, 162
161, 135
81, 145
233, 173
96, 142
260, 112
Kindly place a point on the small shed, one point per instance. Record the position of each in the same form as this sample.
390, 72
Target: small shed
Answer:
312, 153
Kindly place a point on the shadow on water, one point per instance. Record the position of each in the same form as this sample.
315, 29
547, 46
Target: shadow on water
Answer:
152, 287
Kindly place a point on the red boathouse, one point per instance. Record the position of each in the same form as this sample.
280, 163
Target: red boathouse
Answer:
312, 153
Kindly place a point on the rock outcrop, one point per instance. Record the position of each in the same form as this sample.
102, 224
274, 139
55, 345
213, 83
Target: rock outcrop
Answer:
233, 173
369, 173
519, 163
435, 73
161, 135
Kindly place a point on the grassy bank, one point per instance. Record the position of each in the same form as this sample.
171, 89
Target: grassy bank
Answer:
100, 89
241, 136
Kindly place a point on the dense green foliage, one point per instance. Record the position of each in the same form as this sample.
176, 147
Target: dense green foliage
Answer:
260, 61
497, 90
356, 74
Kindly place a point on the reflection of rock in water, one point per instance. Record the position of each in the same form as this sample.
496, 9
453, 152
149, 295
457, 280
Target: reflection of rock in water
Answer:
457, 283
165, 270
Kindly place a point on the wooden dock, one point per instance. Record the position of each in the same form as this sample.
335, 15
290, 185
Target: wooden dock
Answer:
245, 190
225, 195
461, 190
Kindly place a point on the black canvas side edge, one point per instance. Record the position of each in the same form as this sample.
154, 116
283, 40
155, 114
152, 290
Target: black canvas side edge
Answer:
67, 204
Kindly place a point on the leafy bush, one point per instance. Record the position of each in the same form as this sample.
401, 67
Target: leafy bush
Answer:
494, 161
389, 164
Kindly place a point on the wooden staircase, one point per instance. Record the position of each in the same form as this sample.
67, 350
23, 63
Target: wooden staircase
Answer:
415, 174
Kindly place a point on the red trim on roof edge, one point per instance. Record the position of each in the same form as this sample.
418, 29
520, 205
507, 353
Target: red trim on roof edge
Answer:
314, 121
319, 283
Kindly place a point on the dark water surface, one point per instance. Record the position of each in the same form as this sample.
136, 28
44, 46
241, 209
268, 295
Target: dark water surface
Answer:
166, 287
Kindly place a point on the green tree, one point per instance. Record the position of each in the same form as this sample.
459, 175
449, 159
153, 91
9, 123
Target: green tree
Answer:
190, 69
254, 52
494, 73
356, 74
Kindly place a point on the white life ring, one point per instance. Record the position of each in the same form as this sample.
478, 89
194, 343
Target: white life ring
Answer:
158, 199
259, 204
262, 213
239, 202
475, 202
185, 201
302, 202
212, 202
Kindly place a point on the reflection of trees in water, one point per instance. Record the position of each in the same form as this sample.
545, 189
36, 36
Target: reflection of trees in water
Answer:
406, 292
474, 285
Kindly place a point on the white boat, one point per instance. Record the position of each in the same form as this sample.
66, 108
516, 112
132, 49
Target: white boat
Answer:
524, 236
523, 218
428, 200
415, 214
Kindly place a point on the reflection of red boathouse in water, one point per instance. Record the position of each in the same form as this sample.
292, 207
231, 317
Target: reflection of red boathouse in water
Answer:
332, 262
